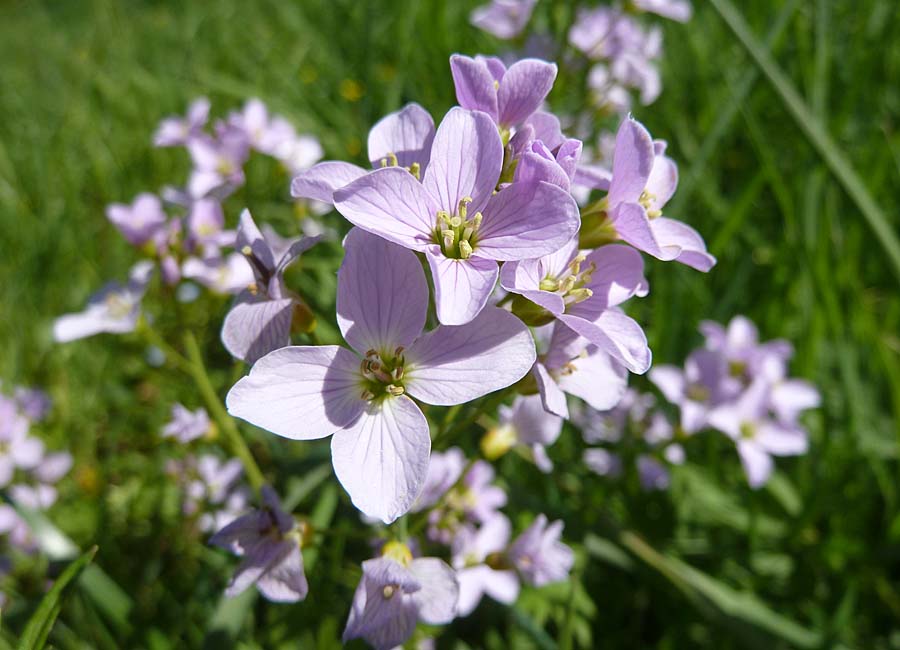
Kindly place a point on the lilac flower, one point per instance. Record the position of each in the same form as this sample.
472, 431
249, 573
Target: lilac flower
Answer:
503, 18
643, 180
53, 467
269, 541
594, 32
396, 592
473, 499
679, 10
381, 443
206, 226
18, 450
17, 531
139, 222
509, 96
274, 136
33, 403
539, 163
539, 555
525, 424
583, 292
521, 221
696, 389
746, 357
177, 131
444, 470
478, 557
400, 139
260, 320
228, 275
603, 462
212, 489
573, 365
186, 425
757, 435
115, 309
218, 163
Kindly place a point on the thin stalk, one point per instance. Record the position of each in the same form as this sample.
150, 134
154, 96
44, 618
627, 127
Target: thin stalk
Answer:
226, 423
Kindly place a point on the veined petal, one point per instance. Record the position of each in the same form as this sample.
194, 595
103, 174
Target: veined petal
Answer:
552, 396
633, 226
248, 234
320, 181
619, 275
254, 327
679, 242
527, 220
620, 336
595, 378
466, 160
300, 392
439, 594
382, 296
524, 277
474, 85
632, 162
523, 89
382, 459
461, 287
663, 179
407, 133
592, 176
453, 365
285, 580
392, 204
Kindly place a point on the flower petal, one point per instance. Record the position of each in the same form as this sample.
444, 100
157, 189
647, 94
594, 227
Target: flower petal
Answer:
461, 287
474, 85
407, 133
439, 594
679, 242
632, 162
519, 277
392, 204
633, 226
527, 220
453, 365
552, 396
382, 459
382, 296
285, 580
620, 336
595, 378
523, 89
757, 463
300, 392
465, 161
320, 181
254, 327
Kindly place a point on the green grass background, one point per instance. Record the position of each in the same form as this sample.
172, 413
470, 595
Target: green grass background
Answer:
82, 86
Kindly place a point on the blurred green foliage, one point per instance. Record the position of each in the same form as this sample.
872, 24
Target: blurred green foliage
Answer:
811, 561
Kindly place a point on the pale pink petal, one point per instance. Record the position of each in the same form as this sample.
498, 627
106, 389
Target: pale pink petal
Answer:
320, 181
382, 297
461, 287
382, 459
392, 204
632, 162
453, 365
466, 159
663, 180
670, 381
300, 392
407, 133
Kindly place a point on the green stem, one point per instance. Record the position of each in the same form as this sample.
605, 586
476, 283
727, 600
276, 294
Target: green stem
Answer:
172, 355
226, 423
475, 412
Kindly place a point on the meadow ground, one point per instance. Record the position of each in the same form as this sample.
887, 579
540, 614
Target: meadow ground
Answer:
82, 87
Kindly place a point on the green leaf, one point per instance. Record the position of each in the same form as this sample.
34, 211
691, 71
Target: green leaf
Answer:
815, 132
41, 622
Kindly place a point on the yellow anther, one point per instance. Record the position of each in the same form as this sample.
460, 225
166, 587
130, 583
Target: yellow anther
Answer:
464, 206
468, 232
388, 592
443, 216
477, 220
456, 222
394, 390
465, 250
415, 170
392, 159
549, 284
246, 250
367, 395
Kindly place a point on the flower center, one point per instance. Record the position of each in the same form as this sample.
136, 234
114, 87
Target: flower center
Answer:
397, 551
570, 284
382, 374
117, 305
457, 234
697, 393
391, 161
648, 201
748, 430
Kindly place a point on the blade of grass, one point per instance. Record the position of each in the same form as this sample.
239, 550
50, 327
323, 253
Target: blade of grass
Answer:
815, 132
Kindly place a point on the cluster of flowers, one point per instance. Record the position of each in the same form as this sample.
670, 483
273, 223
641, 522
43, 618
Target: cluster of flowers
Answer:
192, 243
733, 384
28, 472
623, 51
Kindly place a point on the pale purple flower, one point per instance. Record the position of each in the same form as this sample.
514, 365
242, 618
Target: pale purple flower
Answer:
572, 364
269, 542
456, 218
539, 163
643, 180
480, 565
527, 425
18, 450
16, 530
139, 222
34, 497
790, 397
228, 275
400, 139
444, 470
177, 131
115, 309
652, 474
633, 411
395, 593
212, 489
701, 385
474, 499
218, 163
756, 434
33, 403
539, 555
187, 425
503, 18
206, 226
381, 442
603, 462
594, 32
260, 319
509, 96
679, 10
583, 292
746, 357
53, 467
274, 136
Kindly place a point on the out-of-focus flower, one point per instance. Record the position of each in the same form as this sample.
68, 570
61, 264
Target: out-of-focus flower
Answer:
187, 425
503, 18
679, 10
269, 542
139, 222
229, 275
481, 568
305, 393
539, 555
396, 592
177, 131
525, 424
115, 309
